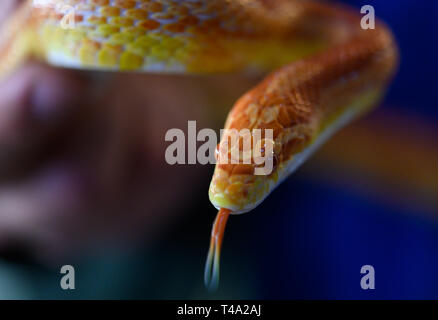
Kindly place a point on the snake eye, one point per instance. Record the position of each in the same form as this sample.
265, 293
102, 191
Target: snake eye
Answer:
216, 152
273, 158
221, 151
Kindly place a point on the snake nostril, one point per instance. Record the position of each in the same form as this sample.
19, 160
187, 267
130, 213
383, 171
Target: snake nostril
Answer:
274, 162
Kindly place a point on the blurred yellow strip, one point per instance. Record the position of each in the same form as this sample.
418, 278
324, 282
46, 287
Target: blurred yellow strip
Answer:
390, 153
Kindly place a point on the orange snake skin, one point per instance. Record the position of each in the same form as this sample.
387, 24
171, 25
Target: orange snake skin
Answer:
329, 70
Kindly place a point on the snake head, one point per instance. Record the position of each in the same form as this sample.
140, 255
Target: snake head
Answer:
242, 185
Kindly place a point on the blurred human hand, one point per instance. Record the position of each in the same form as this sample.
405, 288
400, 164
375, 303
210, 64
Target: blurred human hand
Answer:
82, 155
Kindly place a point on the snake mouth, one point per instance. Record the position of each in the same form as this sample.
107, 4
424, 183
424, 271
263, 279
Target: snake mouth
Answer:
239, 192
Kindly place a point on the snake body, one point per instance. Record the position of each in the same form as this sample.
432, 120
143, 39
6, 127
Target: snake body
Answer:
328, 70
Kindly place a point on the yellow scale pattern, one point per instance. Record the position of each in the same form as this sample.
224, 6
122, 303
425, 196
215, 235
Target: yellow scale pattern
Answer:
165, 35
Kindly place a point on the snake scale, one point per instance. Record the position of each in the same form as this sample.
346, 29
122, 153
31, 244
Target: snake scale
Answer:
327, 69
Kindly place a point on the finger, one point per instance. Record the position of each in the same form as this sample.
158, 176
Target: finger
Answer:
47, 201
35, 102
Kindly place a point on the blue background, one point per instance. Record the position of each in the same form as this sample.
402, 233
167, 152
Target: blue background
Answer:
330, 232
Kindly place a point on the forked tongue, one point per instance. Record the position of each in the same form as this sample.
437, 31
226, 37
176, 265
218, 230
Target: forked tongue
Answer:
211, 275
